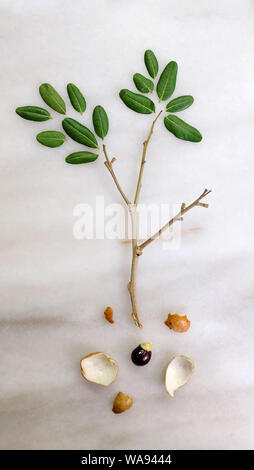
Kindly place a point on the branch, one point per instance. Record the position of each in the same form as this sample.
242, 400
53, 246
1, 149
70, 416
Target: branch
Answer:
178, 216
109, 166
135, 250
143, 160
134, 265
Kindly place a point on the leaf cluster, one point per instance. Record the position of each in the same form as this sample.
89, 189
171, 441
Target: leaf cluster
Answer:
138, 102
165, 88
73, 128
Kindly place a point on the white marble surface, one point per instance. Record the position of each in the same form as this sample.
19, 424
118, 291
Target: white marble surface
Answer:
54, 288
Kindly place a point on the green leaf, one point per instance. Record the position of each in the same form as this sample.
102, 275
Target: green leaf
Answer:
79, 133
140, 104
81, 157
167, 81
142, 83
100, 121
51, 138
76, 98
179, 104
181, 129
52, 98
33, 113
151, 63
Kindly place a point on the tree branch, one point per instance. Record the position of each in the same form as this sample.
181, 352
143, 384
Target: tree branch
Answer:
134, 265
135, 249
109, 166
178, 216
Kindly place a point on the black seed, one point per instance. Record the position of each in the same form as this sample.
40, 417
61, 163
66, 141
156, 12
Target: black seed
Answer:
140, 356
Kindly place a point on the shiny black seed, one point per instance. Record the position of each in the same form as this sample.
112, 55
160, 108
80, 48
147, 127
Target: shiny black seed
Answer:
140, 356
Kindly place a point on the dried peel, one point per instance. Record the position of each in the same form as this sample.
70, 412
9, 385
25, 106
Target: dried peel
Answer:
122, 402
177, 322
178, 373
99, 368
108, 314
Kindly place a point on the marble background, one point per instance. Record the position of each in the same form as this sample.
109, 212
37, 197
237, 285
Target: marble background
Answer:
54, 288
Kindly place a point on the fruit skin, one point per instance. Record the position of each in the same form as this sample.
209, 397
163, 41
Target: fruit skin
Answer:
177, 322
122, 402
141, 355
83, 370
108, 314
182, 382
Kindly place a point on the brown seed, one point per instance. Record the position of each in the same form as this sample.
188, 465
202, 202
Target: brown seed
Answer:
108, 314
177, 322
122, 402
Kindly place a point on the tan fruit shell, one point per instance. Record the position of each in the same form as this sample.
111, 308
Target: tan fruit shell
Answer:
177, 322
122, 402
108, 314
184, 368
88, 370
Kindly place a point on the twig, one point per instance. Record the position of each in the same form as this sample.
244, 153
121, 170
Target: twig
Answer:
109, 166
178, 216
143, 160
134, 265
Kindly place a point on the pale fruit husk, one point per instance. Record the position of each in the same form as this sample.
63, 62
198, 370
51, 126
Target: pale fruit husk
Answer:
146, 346
99, 368
178, 373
